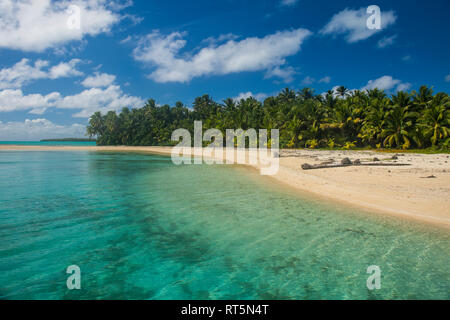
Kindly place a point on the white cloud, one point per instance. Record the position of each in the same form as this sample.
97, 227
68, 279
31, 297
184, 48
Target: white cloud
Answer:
23, 72
285, 73
289, 3
404, 86
97, 99
447, 78
65, 69
99, 80
37, 129
325, 79
353, 24
308, 81
387, 83
36, 25
246, 95
386, 41
220, 39
250, 54
87, 101
15, 100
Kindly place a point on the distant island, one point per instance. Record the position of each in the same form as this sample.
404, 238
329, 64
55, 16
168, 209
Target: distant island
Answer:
69, 140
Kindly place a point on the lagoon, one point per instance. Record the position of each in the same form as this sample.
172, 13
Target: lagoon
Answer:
140, 227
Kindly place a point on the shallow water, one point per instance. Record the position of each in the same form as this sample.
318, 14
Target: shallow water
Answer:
141, 228
51, 143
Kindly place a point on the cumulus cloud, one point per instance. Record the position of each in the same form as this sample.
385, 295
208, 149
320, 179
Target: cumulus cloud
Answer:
387, 83
36, 25
386, 41
24, 72
98, 99
99, 80
353, 24
162, 53
37, 129
246, 95
65, 69
15, 100
87, 101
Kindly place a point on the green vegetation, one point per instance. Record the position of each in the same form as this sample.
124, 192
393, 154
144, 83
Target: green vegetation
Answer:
340, 119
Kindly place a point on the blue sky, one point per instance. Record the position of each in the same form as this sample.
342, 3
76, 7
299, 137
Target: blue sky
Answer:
53, 75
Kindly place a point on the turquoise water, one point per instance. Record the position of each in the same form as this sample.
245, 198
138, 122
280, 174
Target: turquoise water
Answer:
141, 228
50, 143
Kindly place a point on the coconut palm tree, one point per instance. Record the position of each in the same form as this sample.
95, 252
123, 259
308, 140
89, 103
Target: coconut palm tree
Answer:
287, 95
376, 94
342, 91
96, 125
397, 128
423, 97
402, 99
306, 93
435, 123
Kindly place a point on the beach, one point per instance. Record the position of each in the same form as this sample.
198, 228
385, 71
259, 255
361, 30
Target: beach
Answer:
419, 191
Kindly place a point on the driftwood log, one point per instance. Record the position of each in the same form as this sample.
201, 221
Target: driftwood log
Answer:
307, 166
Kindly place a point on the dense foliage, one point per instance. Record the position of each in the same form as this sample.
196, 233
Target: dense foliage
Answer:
336, 119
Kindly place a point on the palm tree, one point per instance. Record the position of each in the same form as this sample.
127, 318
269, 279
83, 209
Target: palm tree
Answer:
306, 93
397, 128
342, 91
371, 118
294, 127
435, 123
423, 98
402, 99
96, 125
287, 95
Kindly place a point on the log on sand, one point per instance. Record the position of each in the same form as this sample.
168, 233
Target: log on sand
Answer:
307, 166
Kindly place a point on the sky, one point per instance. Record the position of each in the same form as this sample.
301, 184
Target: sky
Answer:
61, 61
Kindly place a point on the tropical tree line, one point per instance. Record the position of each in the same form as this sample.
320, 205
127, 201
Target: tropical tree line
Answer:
336, 119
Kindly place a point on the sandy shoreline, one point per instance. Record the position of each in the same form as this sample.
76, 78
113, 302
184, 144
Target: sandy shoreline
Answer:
402, 191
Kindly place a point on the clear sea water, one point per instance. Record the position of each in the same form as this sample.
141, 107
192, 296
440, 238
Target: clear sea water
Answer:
140, 227
50, 143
